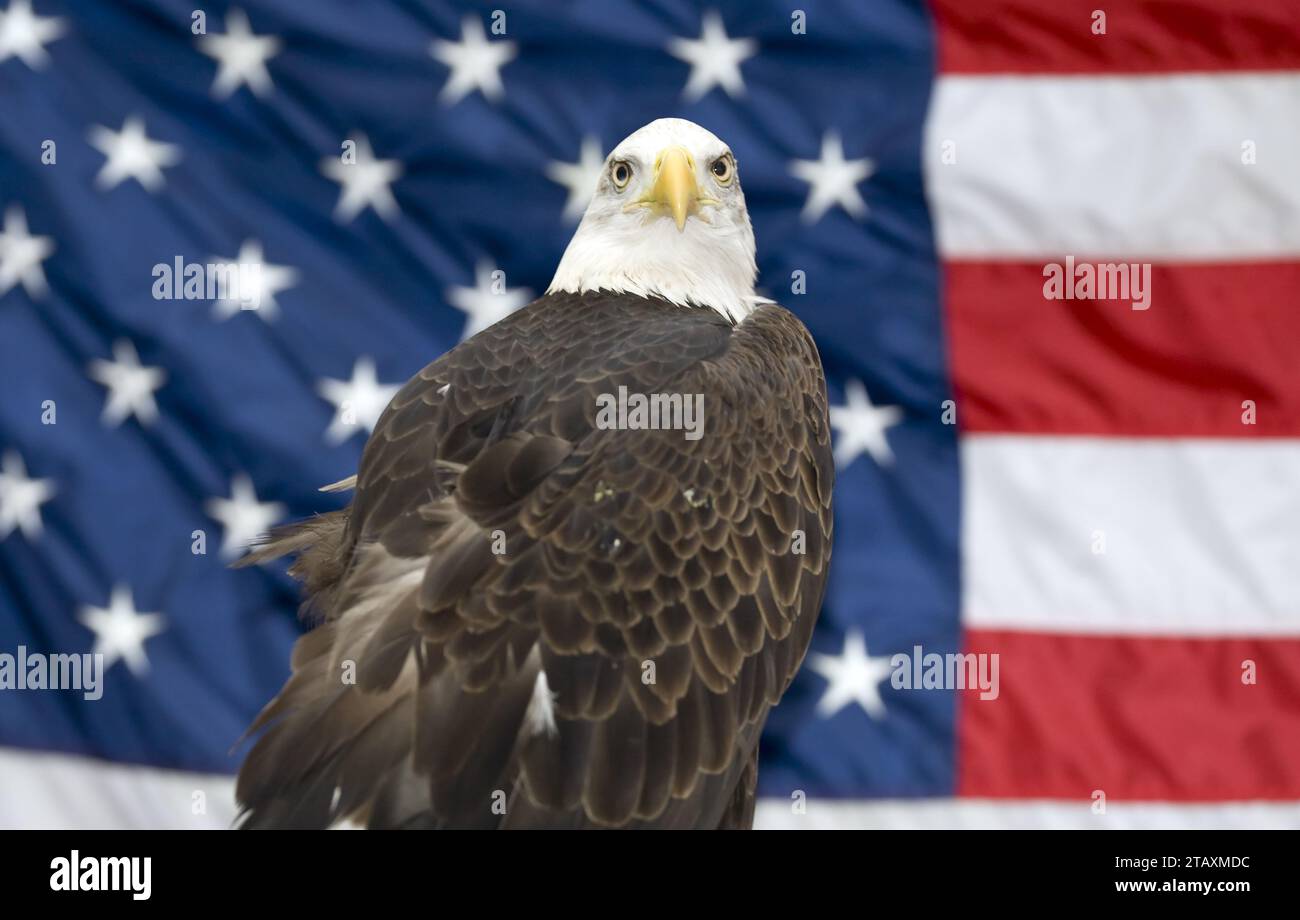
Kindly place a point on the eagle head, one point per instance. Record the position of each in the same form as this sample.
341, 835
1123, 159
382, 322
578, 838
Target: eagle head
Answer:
667, 219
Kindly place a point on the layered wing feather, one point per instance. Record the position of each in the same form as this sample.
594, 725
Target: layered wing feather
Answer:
530, 620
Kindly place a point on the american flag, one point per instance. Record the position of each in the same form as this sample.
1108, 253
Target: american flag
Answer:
1101, 493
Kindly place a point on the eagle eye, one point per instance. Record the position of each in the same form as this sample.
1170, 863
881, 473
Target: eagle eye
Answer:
723, 169
620, 173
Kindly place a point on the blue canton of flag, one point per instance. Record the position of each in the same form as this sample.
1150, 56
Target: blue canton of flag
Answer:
392, 179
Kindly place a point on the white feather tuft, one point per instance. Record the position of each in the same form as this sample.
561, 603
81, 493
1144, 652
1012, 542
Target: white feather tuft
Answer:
540, 717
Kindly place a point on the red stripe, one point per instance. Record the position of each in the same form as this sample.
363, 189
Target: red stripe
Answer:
1056, 37
1137, 718
1214, 337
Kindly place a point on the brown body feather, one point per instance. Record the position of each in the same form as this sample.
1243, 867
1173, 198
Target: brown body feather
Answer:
652, 578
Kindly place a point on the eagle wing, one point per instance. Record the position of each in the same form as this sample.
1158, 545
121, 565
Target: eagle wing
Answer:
531, 620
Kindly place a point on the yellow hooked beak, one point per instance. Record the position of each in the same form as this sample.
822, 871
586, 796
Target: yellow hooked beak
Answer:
675, 190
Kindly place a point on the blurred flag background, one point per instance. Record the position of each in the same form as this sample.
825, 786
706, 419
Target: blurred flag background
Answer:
1104, 497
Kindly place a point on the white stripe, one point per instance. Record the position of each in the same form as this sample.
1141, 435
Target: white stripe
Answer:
39, 790
1135, 166
1201, 537
57, 791
969, 814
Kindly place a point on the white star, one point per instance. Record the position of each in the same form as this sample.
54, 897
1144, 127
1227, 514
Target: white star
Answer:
579, 178
241, 56
488, 301
714, 58
475, 62
132, 155
851, 677
357, 402
130, 386
242, 516
121, 630
21, 255
258, 282
834, 180
21, 497
364, 182
862, 427
23, 34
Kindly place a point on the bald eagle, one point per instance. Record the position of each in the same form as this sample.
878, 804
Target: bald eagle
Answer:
531, 615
